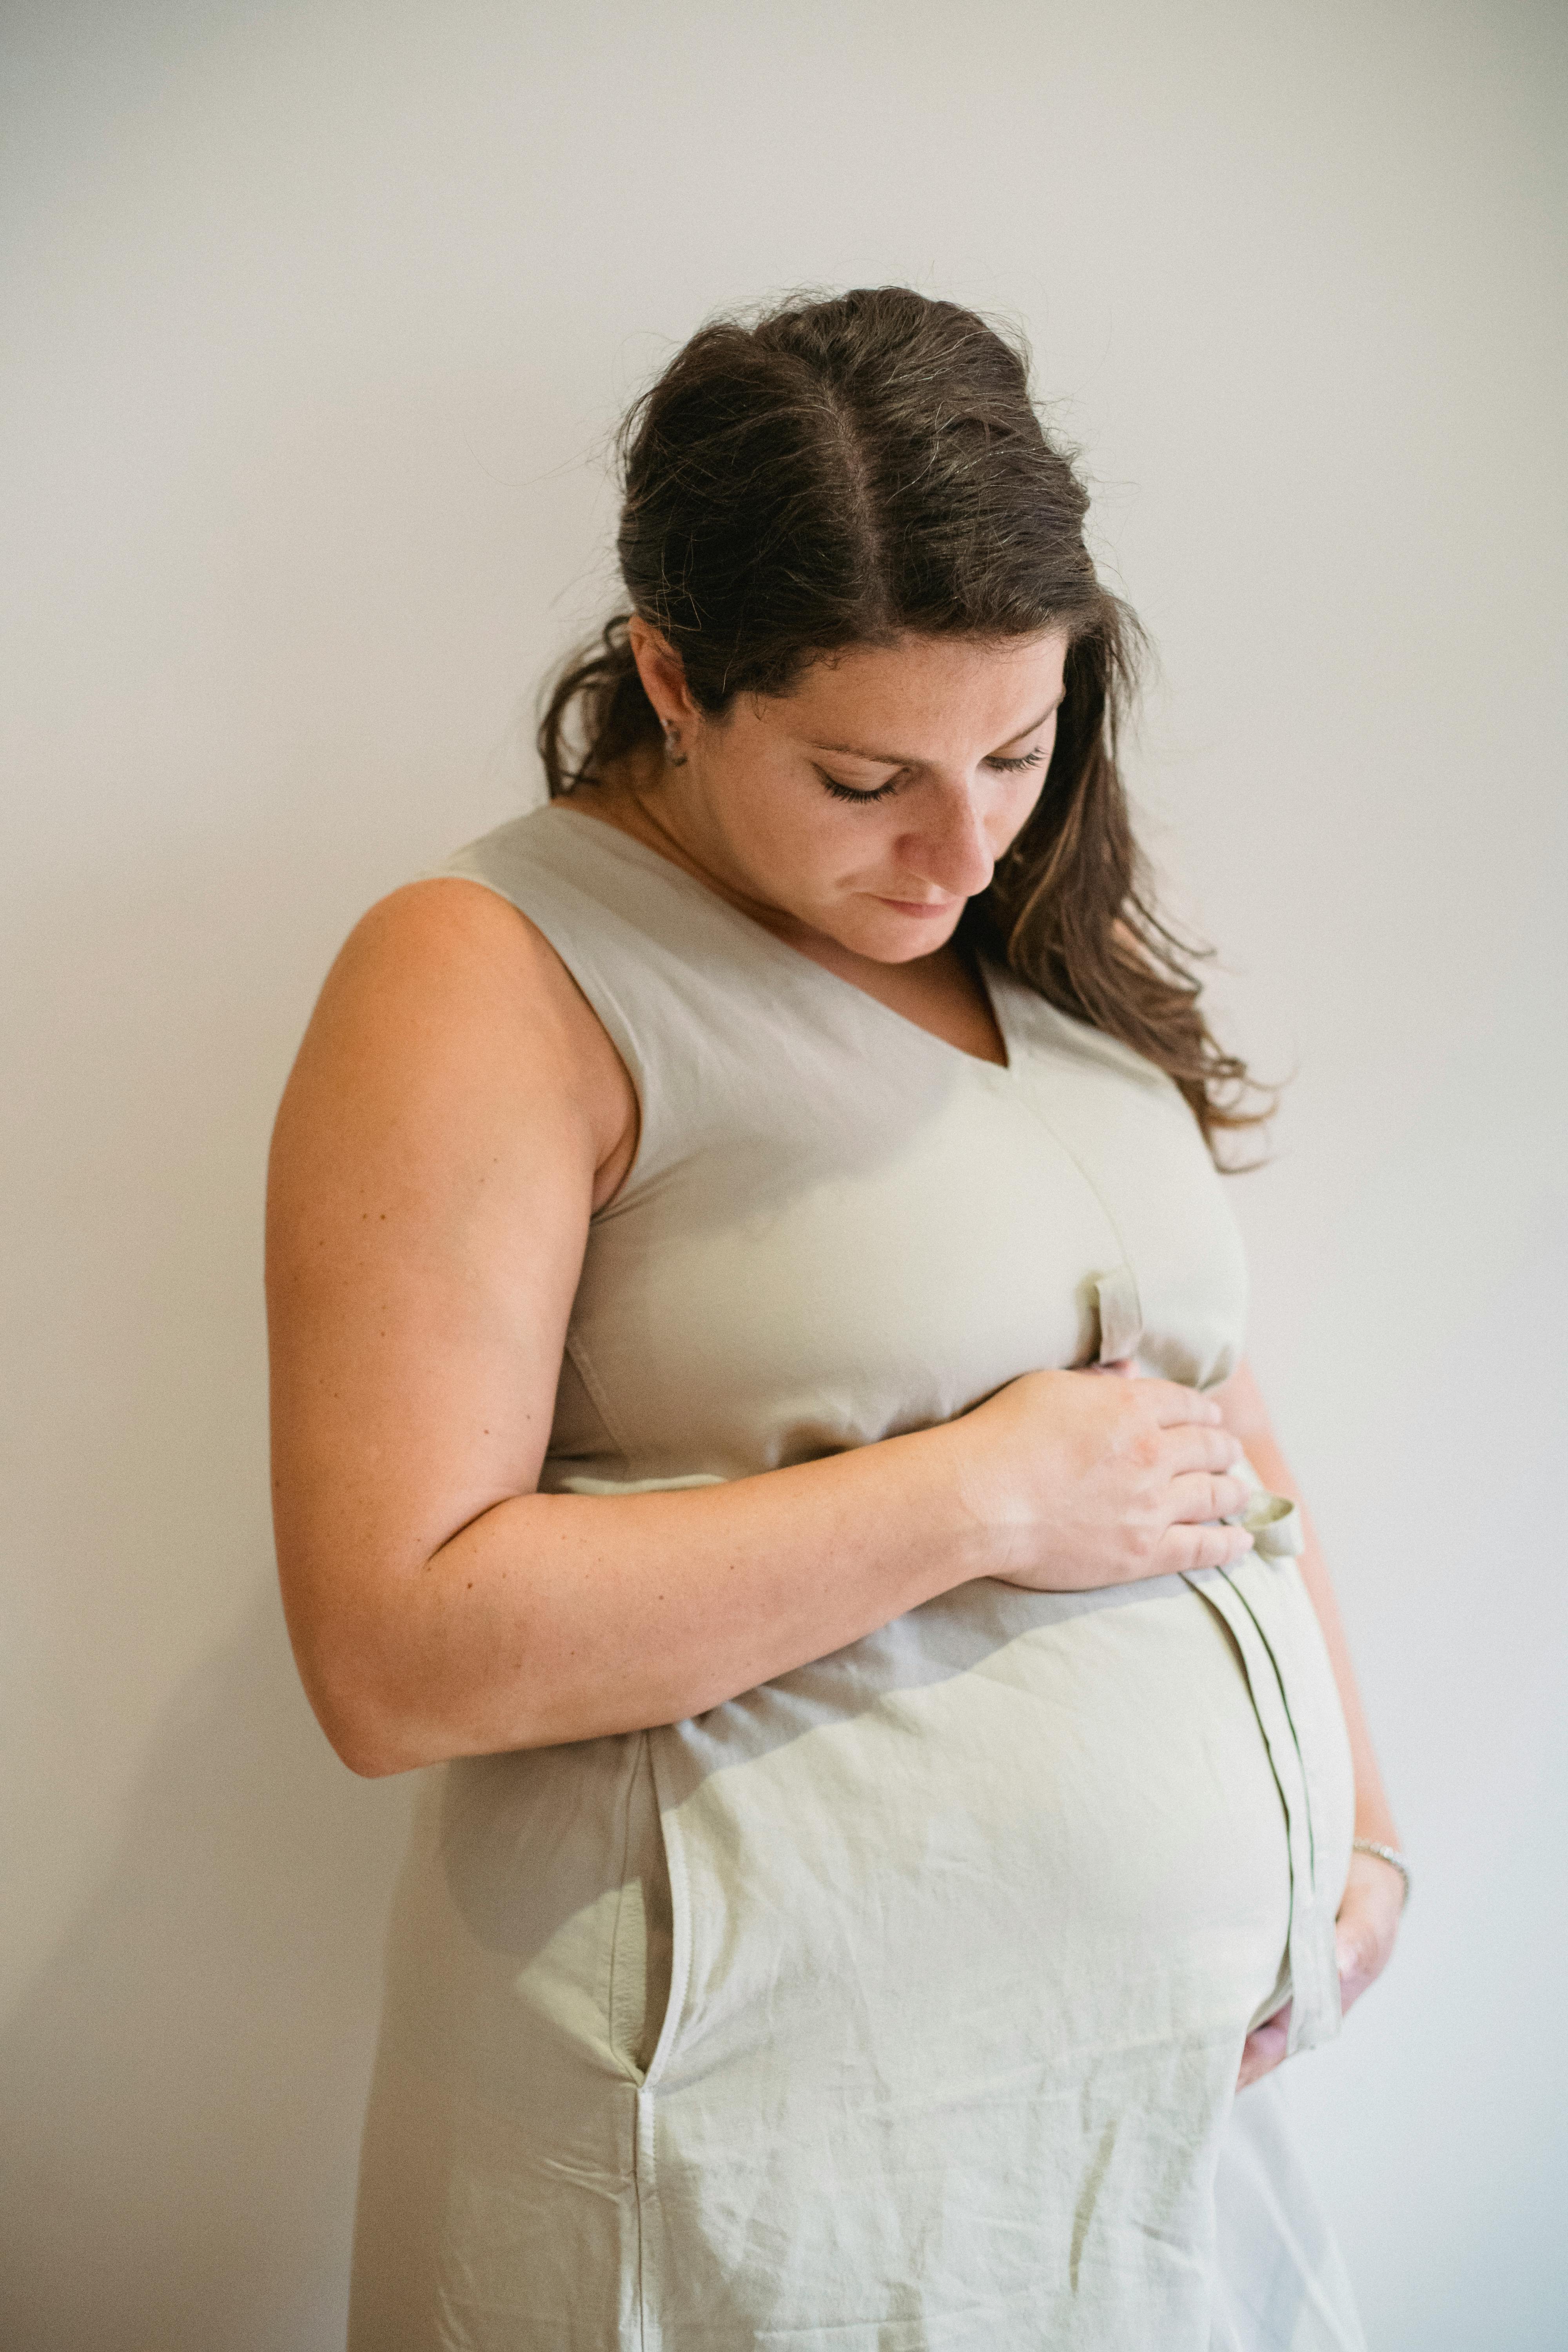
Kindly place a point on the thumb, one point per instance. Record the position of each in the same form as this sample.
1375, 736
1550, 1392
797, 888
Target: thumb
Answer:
1353, 1952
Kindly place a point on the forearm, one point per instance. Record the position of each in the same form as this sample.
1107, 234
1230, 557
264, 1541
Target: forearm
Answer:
551, 1618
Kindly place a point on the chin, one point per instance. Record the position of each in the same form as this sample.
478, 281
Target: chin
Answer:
892, 938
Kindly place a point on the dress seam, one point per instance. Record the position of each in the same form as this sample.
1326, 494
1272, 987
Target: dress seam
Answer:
1096, 1195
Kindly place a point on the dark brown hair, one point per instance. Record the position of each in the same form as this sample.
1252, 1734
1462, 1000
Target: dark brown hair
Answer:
848, 471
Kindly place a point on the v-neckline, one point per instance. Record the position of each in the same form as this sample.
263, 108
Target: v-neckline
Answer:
986, 975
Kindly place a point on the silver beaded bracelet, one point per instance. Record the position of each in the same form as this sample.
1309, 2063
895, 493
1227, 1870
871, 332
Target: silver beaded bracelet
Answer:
1389, 1854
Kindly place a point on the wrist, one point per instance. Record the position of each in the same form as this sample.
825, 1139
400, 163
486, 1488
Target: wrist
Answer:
1385, 1855
954, 1516
1374, 1822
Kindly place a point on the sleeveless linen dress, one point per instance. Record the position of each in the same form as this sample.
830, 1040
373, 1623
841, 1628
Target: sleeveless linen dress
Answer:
898, 2003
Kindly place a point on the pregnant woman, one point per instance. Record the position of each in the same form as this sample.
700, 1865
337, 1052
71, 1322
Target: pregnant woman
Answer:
897, 1779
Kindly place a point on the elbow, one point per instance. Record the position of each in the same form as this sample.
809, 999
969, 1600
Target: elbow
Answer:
366, 1736
384, 1715
358, 1707
393, 1687
366, 1749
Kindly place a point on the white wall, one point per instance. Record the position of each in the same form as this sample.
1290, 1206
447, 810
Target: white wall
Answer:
316, 317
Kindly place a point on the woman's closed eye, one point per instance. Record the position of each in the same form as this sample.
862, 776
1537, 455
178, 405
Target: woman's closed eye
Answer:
847, 792
842, 792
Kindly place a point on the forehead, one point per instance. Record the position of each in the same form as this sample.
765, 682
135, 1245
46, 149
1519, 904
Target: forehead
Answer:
940, 689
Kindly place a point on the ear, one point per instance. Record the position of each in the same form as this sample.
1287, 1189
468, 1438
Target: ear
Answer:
661, 671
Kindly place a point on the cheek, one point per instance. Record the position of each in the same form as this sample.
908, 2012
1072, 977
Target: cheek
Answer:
1016, 807
789, 841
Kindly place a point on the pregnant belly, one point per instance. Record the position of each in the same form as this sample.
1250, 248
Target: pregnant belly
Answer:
1036, 1826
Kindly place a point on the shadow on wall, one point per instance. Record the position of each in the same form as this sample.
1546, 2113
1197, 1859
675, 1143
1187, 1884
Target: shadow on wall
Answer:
193, 2063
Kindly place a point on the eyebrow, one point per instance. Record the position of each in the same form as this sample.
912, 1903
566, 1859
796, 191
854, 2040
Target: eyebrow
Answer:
911, 760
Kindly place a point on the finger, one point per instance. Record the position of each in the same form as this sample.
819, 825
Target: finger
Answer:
1191, 1446
1170, 1403
1359, 1968
1184, 1548
1264, 2048
1207, 1495
1355, 1976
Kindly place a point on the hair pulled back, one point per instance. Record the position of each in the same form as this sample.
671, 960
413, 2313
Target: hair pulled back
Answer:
850, 471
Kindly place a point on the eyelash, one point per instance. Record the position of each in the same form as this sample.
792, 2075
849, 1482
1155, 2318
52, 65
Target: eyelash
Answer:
847, 792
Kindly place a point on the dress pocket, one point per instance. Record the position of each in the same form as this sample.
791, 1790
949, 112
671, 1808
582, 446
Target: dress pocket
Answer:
642, 1937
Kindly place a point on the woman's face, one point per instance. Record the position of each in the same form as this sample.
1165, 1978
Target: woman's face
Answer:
870, 802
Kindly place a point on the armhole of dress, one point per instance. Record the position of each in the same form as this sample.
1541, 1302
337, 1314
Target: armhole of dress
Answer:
597, 994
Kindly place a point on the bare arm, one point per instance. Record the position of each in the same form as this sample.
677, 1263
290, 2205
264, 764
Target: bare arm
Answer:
456, 1115
1375, 1895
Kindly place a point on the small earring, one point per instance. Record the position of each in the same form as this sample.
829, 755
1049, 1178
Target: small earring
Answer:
672, 750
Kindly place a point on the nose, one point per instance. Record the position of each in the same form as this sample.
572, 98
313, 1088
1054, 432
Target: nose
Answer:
949, 848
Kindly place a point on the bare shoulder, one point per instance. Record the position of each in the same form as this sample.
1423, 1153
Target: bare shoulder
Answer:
436, 1159
446, 1016
452, 963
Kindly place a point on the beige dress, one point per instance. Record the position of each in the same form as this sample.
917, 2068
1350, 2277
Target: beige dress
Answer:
898, 2003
